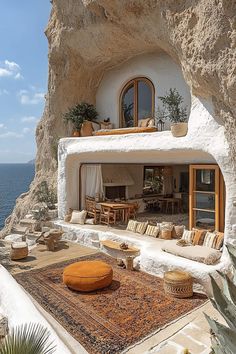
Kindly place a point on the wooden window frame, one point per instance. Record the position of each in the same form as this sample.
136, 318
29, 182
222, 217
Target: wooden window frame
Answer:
135, 81
219, 219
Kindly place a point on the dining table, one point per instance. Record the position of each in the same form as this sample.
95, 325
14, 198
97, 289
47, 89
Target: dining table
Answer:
123, 207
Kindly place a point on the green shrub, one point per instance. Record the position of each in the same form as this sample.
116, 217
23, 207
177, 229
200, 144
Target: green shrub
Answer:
79, 113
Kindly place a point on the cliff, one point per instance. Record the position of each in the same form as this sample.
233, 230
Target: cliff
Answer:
88, 37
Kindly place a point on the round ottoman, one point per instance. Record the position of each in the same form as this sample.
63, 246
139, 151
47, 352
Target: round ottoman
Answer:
19, 250
88, 275
178, 284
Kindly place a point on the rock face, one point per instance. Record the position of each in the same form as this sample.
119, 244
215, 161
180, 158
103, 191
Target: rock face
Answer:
88, 37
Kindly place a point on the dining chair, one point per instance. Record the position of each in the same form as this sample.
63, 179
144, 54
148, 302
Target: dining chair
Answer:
108, 216
92, 210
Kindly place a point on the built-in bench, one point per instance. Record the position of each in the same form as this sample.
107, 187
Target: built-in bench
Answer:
152, 258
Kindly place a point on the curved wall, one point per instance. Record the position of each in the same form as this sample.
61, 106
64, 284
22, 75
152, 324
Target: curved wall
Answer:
159, 68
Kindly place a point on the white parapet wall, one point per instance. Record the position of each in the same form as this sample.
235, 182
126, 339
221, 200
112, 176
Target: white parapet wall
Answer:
204, 143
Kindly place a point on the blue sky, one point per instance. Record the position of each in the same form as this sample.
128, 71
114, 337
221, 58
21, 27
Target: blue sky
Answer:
23, 75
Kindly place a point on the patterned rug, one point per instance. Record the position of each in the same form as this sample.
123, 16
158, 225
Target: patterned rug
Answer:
108, 320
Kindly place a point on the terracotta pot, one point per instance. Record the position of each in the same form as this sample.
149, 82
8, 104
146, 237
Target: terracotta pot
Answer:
179, 129
87, 128
76, 133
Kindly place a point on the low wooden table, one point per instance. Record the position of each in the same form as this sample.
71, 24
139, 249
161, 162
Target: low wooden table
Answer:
130, 253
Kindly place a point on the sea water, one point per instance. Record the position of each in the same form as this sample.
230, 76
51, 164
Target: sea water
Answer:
14, 180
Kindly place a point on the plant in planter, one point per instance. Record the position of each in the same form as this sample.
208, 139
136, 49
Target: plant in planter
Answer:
174, 110
80, 114
224, 300
46, 195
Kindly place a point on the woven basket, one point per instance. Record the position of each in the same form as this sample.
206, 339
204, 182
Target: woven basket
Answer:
19, 250
178, 284
179, 129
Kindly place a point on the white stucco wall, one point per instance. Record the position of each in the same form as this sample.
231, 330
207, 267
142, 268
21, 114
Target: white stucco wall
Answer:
159, 68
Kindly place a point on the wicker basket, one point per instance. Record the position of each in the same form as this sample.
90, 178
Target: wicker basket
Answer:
19, 250
178, 284
179, 129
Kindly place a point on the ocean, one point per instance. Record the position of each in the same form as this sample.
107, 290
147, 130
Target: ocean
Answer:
14, 180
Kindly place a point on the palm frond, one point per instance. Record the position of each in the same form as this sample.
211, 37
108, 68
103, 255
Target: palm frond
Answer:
29, 338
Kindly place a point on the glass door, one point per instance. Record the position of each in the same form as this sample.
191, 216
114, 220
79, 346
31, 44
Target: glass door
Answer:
204, 197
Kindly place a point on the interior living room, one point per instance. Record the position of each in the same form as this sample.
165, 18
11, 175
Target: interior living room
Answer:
190, 195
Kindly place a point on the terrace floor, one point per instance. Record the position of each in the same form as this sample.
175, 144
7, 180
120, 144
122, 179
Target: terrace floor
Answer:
191, 331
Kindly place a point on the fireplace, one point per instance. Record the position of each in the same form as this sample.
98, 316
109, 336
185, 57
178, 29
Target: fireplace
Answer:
115, 192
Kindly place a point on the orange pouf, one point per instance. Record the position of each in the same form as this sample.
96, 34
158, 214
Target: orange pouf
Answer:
88, 275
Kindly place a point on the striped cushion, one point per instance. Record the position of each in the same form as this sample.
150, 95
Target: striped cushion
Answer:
131, 225
152, 231
219, 240
188, 236
199, 236
209, 239
141, 227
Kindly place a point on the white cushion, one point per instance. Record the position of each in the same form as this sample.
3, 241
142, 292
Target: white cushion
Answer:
195, 253
78, 217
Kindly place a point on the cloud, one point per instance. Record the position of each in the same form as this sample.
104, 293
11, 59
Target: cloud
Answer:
29, 119
26, 130
4, 92
10, 69
30, 98
18, 76
10, 134
2, 125
11, 65
5, 72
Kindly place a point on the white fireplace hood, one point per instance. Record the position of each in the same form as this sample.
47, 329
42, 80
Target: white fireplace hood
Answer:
116, 176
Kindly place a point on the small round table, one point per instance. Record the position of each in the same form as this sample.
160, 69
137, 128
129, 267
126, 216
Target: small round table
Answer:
178, 284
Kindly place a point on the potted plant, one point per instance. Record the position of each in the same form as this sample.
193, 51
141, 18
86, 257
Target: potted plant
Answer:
79, 115
175, 111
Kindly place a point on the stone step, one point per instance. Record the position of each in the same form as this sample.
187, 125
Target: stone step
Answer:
191, 337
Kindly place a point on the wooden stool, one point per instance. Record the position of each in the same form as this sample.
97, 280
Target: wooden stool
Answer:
19, 250
178, 284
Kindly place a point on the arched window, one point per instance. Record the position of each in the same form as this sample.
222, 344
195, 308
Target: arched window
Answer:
136, 102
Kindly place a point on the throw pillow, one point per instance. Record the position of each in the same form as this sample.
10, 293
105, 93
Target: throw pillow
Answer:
188, 236
131, 225
219, 240
165, 234
209, 239
152, 231
199, 236
167, 225
78, 217
141, 227
178, 231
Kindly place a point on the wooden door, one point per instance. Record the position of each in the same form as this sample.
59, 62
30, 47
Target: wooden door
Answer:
206, 197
